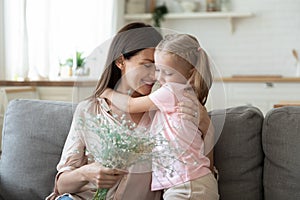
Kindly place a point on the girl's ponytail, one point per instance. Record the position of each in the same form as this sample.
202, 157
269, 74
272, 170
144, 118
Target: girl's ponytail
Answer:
201, 77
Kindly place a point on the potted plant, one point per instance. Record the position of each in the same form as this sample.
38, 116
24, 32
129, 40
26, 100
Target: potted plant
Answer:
158, 14
80, 61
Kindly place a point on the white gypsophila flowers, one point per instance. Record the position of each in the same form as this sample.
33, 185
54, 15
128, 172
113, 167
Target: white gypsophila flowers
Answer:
120, 143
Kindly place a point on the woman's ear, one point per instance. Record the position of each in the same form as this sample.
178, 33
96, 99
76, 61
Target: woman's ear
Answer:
120, 62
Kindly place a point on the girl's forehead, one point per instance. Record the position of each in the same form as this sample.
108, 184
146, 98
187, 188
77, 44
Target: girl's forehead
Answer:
162, 52
162, 66
171, 61
163, 56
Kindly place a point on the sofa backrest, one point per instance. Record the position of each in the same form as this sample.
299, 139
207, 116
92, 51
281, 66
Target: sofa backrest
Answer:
33, 136
238, 153
281, 145
35, 131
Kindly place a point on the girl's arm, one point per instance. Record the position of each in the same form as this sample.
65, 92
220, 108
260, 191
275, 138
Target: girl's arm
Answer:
127, 103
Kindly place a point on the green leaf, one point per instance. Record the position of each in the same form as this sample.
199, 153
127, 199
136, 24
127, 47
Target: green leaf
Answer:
158, 14
80, 61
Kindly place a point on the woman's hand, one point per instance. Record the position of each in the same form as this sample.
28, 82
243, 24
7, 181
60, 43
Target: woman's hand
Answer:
195, 112
102, 177
78, 180
200, 117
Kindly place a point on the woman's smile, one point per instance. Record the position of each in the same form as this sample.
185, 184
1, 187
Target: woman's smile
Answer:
148, 83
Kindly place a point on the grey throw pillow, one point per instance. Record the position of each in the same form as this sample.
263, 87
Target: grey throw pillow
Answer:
238, 153
33, 137
281, 144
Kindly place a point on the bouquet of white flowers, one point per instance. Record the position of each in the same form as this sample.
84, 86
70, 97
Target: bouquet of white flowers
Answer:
119, 144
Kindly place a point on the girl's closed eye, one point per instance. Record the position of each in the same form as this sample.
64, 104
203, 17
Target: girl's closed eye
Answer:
163, 70
168, 73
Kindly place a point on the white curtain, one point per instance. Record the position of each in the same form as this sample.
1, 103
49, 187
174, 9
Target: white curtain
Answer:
2, 70
39, 34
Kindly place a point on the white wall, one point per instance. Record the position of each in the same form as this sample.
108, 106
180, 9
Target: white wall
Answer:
2, 71
260, 45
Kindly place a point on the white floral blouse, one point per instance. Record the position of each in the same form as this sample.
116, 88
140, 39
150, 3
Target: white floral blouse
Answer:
134, 186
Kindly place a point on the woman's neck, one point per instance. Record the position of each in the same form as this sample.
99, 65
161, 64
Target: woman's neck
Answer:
123, 88
134, 117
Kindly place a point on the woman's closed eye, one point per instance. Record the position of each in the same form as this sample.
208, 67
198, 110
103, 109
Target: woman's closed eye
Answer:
148, 65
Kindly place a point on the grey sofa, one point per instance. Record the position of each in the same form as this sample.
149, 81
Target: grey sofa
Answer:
257, 157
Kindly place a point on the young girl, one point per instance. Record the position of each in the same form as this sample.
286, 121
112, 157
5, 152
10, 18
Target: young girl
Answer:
181, 66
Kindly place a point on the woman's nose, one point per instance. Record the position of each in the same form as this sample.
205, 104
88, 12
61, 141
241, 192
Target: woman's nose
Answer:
158, 76
152, 75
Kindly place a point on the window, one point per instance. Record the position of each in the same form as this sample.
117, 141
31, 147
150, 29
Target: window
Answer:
2, 71
41, 34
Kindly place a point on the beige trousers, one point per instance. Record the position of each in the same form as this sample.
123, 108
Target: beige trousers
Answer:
204, 188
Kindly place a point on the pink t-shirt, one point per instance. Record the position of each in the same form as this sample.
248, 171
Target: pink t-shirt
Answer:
182, 134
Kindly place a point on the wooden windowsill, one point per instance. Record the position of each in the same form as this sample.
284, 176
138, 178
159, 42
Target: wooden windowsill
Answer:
287, 103
259, 78
50, 83
91, 83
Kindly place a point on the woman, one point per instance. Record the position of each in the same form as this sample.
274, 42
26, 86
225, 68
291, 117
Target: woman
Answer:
77, 173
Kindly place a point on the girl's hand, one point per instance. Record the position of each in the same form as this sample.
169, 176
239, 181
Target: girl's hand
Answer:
195, 112
102, 177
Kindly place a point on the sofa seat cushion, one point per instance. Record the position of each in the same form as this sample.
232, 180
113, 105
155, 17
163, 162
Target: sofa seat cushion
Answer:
238, 153
33, 137
281, 144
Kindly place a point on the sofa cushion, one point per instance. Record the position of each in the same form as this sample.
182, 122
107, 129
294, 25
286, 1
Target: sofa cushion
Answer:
281, 144
33, 137
238, 153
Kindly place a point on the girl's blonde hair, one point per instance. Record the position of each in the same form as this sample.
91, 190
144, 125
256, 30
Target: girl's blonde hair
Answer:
186, 48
